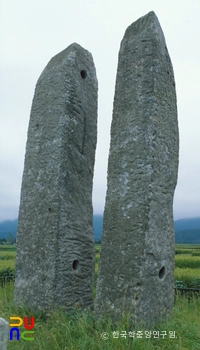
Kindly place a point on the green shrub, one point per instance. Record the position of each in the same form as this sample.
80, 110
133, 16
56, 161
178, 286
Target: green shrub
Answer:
180, 284
5, 257
195, 253
6, 275
189, 277
183, 251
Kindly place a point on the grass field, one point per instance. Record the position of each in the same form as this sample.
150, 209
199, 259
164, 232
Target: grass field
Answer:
82, 330
187, 266
7, 257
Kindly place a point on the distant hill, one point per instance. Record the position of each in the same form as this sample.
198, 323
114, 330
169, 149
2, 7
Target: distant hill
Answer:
6, 227
187, 224
10, 226
188, 236
98, 226
186, 230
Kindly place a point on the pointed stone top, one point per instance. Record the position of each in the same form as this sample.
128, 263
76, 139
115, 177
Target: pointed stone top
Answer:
74, 57
72, 49
146, 27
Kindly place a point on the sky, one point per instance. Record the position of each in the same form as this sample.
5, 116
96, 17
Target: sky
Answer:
32, 32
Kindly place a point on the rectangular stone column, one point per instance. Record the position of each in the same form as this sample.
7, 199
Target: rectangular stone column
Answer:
136, 272
55, 239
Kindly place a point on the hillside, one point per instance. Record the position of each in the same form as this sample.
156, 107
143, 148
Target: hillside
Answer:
188, 237
187, 224
98, 226
7, 227
186, 230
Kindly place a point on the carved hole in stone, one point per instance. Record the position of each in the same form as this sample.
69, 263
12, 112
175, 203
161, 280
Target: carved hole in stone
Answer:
75, 264
37, 126
83, 74
162, 272
50, 210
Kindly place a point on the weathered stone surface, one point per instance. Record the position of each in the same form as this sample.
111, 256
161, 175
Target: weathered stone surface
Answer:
4, 327
55, 240
137, 252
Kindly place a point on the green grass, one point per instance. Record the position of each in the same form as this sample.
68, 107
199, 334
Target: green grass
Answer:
98, 248
81, 330
7, 247
7, 260
187, 249
187, 246
189, 277
186, 260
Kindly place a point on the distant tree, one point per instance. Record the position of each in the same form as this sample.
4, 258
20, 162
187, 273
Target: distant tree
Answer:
98, 242
2, 240
11, 239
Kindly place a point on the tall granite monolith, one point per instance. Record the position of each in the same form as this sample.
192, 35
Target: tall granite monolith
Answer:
136, 273
55, 240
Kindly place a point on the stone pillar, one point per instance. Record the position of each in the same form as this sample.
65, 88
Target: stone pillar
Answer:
4, 328
136, 272
55, 240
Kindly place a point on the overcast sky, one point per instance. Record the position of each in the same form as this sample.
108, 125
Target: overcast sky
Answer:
34, 31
